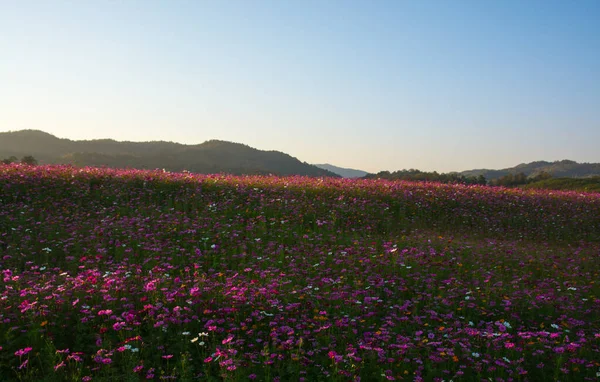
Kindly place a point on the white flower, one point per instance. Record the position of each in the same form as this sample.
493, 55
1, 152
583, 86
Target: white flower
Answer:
185, 333
475, 354
194, 339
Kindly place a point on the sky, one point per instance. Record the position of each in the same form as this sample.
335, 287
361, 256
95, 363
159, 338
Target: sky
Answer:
374, 85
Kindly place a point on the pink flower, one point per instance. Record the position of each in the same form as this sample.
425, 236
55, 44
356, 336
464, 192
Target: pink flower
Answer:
150, 286
59, 366
509, 345
118, 326
22, 352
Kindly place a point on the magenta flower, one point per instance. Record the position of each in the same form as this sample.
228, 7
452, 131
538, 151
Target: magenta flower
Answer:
118, 325
22, 352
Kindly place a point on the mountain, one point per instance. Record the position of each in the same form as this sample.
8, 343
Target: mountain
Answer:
343, 172
558, 169
209, 157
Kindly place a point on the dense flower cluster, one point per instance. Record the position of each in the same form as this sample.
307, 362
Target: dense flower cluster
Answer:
108, 274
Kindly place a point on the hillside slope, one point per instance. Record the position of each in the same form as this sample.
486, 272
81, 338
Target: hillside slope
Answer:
209, 157
343, 172
558, 169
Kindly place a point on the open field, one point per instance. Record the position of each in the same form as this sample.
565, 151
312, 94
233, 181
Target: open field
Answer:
131, 275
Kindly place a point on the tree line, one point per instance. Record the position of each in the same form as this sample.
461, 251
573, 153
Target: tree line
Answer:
520, 179
418, 175
509, 180
27, 159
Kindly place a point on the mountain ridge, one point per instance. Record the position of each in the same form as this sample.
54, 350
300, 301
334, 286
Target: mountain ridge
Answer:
215, 156
342, 171
565, 168
212, 156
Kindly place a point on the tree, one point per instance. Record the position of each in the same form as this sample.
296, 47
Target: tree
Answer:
10, 160
543, 175
510, 180
30, 160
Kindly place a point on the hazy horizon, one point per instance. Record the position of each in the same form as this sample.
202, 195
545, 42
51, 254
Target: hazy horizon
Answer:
377, 86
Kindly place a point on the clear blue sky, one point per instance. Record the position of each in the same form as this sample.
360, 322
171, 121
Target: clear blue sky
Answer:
434, 85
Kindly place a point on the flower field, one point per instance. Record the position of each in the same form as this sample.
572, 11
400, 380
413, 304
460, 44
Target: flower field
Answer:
148, 275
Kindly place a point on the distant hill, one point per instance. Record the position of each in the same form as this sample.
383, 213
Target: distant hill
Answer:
558, 169
208, 157
343, 172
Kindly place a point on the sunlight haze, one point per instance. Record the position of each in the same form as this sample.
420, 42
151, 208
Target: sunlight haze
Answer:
384, 85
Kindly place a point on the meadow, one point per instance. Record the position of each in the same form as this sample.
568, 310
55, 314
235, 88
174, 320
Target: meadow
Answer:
148, 275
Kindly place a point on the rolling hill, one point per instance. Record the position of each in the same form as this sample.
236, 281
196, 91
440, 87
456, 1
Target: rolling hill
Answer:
209, 157
558, 169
